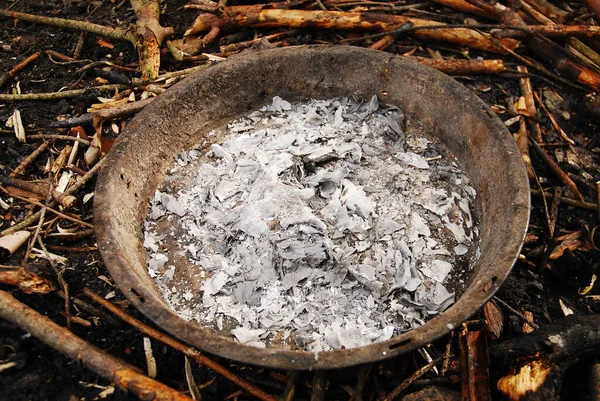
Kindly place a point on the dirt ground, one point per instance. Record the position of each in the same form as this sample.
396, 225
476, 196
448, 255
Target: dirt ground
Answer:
536, 285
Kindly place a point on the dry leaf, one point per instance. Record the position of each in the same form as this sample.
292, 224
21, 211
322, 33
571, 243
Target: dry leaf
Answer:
527, 328
521, 107
18, 126
569, 241
189, 377
586, 289
92, 154
106, 104
79, 131
61, 160
565, 309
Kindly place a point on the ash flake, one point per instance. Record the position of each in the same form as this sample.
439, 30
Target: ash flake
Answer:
317, 225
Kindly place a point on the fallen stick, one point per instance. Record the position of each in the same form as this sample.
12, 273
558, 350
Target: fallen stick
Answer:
61, 137
257, 16
147, 35
233, 47
464, 67
179, 346
66, 201
559, 172
51, 210
521, 138
382, 43
120, 111
579, 50
7, 76
124, 376
549, 10
411, 379
106, 31
568, 201
29, 159
543, 48
27, 282
59, 95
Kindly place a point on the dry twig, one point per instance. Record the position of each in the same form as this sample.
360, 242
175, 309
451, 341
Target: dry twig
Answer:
176, 344
7, 76
120, 373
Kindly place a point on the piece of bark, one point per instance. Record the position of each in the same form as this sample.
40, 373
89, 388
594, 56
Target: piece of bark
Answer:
121, 374
494, 319
27, 282
11, 242
258, 16
474, 365
526, 329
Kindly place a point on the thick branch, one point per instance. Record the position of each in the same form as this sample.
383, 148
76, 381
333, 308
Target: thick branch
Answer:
149, 36
254, 16
123, 375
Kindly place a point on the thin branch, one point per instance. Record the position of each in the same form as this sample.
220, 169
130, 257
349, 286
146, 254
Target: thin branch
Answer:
106, 31
186, 349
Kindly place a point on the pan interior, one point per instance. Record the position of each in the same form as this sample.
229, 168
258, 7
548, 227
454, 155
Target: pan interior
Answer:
182, 117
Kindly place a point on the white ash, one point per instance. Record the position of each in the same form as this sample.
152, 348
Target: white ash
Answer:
317, 225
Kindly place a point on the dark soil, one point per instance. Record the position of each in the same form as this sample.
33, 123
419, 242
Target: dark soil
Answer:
42, 373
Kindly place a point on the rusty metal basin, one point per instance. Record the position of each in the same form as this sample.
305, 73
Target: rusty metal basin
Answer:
183, 115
